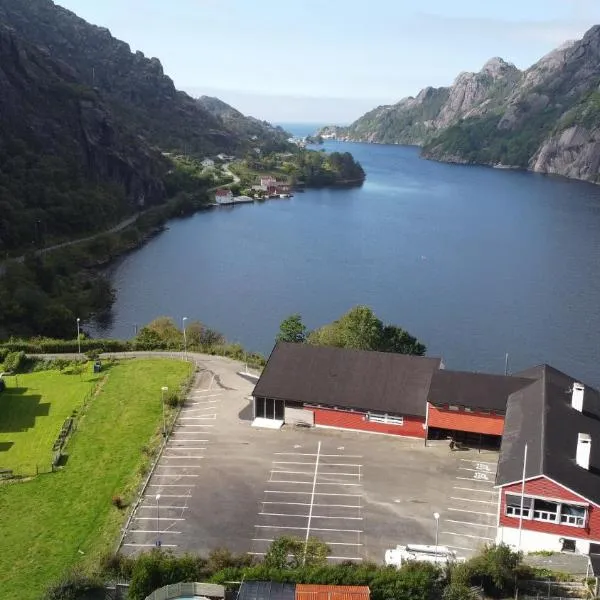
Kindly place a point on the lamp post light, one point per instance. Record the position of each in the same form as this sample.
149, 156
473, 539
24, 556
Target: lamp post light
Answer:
158, 520
164, 389
436, 516
78, 338
184, 340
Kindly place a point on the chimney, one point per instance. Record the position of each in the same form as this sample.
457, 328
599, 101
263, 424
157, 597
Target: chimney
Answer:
584, 447
577, 397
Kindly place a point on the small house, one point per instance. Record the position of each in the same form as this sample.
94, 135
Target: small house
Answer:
224, 196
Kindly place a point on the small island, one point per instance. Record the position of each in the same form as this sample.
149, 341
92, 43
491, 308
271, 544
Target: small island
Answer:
279, 173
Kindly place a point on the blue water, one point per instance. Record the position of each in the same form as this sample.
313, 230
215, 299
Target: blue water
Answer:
476, 262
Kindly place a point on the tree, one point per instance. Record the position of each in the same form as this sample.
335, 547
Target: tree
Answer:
395, 339
360, 329
289, 552
292, 330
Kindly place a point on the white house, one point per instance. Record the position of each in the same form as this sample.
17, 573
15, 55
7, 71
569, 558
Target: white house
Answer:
223, 196
207, 163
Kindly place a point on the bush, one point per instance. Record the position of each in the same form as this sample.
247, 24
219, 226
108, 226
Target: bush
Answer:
14, 361
173, 400
116, 566
75, 586
118, 502
495, 569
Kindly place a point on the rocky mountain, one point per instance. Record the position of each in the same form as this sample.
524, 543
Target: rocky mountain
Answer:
546, 118
65, 164
135, 87
85, 124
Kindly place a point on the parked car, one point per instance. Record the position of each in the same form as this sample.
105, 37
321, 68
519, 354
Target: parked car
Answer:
419, 553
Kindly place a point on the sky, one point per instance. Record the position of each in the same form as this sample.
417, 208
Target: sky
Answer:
329, 61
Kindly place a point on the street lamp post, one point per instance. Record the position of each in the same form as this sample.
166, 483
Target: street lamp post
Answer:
184, 340
158, 520
436, 516
164, 389
78, 338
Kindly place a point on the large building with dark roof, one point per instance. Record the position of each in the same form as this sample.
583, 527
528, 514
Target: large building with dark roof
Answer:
554, 504
550, 494
381, 392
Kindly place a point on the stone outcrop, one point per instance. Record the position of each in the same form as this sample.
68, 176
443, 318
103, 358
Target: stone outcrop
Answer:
546, 118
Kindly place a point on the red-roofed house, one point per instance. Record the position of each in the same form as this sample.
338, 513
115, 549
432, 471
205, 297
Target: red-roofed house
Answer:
223, 196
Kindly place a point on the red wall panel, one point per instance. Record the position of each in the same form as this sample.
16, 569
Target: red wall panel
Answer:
464, 421
413, 426
548, 489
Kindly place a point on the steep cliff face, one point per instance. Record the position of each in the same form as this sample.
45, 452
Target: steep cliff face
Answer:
138, 92
64, 165
546, 118
416, 120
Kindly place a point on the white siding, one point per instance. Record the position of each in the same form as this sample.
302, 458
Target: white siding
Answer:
299, 415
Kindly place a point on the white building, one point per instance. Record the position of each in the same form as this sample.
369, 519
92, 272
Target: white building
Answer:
207, 163
224, 196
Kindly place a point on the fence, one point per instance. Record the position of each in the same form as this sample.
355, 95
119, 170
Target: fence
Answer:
33, 469
553, 590
188, 590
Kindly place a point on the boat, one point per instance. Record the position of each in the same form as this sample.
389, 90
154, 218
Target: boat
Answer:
400, 555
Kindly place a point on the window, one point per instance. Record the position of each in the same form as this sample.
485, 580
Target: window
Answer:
545, 511
469, 410
454, 407
572, 515
568, 545
513, 506
385, 418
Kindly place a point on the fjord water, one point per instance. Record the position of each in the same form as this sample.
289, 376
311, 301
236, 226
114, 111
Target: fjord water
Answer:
475, 262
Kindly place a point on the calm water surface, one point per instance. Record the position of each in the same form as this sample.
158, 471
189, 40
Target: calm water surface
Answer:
475, 262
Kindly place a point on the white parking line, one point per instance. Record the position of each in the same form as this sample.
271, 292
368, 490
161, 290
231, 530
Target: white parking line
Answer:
205, 418
472, 512
477, 470
312, 516
475, 480
460, 547
161, 518
182, 475
322, 455
469, 523
179, 456
161, 485
174, 496
475, 537
480, 490
471, 500
285, 462
153, 506
479, 462
303, 528
153, 531
316, 494
178, 448
315, 504
150, 545
196, 395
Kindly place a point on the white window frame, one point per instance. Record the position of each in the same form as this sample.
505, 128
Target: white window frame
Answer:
385, 419
454, 407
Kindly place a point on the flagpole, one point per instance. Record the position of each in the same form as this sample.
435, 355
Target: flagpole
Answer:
522, 497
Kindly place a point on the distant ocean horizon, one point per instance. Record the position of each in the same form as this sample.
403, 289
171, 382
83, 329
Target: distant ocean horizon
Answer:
302, 129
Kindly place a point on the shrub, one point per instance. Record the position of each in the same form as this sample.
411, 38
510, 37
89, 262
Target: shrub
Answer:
118, 502
75, 586
116, 566
14, 361
173, 399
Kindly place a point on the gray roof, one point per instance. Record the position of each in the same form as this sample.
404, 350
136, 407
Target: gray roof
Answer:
541, 416
359, 379
266, 590
474, 390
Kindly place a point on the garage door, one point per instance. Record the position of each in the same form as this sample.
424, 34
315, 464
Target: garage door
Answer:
299, 415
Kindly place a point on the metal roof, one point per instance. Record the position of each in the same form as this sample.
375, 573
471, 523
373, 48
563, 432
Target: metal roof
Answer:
332, 592
474, 390
541, 415
266, 590
345, 378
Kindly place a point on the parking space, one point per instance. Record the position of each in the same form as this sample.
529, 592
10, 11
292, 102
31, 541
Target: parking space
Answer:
314, 490
225, 484
160, 518
469, 521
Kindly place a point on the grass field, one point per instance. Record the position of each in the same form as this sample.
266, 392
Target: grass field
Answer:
31, 416
60, 519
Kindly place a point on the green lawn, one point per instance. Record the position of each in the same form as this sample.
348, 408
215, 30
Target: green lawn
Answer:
32, 415
57, 520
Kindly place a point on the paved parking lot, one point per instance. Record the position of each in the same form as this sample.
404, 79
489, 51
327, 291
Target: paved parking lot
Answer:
223, 483
470, 518
315, 490
161, 515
